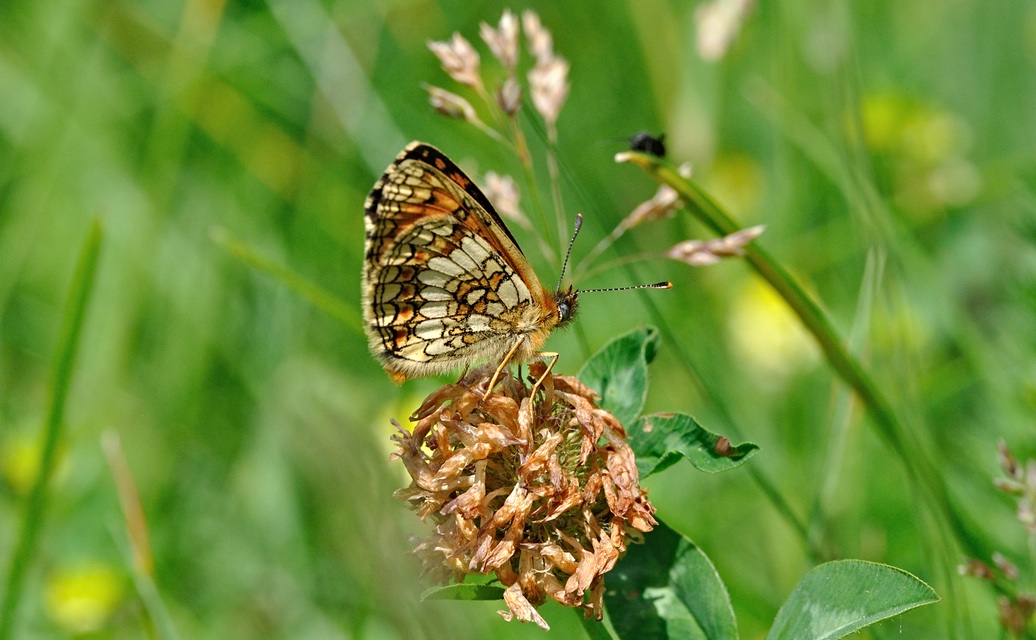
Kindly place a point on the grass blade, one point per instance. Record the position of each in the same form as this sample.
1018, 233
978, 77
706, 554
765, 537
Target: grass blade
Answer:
64, 364
317, 296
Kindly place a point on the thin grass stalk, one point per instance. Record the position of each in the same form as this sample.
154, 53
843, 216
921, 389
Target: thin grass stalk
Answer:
64, 363
319, 297
137, 545
560, 217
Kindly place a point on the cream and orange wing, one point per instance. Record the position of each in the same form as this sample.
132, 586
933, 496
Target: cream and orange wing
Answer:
444, 283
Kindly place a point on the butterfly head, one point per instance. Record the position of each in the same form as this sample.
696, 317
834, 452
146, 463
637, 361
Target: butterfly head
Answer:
566, 300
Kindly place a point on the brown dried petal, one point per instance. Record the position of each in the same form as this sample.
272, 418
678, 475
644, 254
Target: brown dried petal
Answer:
449, 474
469, 503
570, 498
590, 566
641, 517
483, 550
526, 416
496, 436
506, 574
537, 462
573, 385
623, 475
511, 508
530, 567
550, 584
592, 489
520, 607
595, 602
500, 555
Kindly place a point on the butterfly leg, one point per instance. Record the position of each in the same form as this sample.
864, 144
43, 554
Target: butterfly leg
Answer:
503, 363
553, 356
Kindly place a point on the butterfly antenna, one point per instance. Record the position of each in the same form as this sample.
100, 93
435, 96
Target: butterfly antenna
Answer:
657, 285
575, 232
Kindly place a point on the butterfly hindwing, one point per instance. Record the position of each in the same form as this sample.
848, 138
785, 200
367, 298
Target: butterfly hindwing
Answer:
445, 283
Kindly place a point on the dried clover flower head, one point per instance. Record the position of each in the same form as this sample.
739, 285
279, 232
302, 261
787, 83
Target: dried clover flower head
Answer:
541, 491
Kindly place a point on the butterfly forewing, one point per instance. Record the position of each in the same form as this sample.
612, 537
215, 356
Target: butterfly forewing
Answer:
445, 283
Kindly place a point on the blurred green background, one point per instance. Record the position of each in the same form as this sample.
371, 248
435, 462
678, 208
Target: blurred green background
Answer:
887, 145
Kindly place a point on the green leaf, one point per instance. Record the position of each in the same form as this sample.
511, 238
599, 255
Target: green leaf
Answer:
661, 440
668, 588
618, 372
464, 592
837, 598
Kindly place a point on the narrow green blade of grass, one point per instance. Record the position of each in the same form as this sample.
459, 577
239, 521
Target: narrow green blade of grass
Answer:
64, 364
316, 295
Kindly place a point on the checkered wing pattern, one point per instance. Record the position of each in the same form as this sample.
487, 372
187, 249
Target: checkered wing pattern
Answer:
444, 282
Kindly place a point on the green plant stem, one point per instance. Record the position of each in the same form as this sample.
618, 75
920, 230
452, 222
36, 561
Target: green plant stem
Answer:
529, 175
64, 364
316, 295
560, 217
915, 459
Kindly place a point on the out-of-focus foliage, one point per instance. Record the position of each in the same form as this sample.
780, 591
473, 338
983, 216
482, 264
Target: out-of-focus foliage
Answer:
887, 146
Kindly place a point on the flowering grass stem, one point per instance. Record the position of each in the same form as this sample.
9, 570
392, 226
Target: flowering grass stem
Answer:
916, 460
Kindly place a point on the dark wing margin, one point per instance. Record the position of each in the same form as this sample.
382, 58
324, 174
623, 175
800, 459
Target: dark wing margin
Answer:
428, 154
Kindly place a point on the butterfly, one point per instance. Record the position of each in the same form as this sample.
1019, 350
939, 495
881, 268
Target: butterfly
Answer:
445, 284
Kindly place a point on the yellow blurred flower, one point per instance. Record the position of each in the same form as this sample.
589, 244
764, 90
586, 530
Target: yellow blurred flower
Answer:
929, 146
737, 181
766, 335
921, 133
883, 117
82, 599
20, 460
931, 136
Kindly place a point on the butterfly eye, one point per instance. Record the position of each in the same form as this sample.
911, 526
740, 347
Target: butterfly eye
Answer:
563, 311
